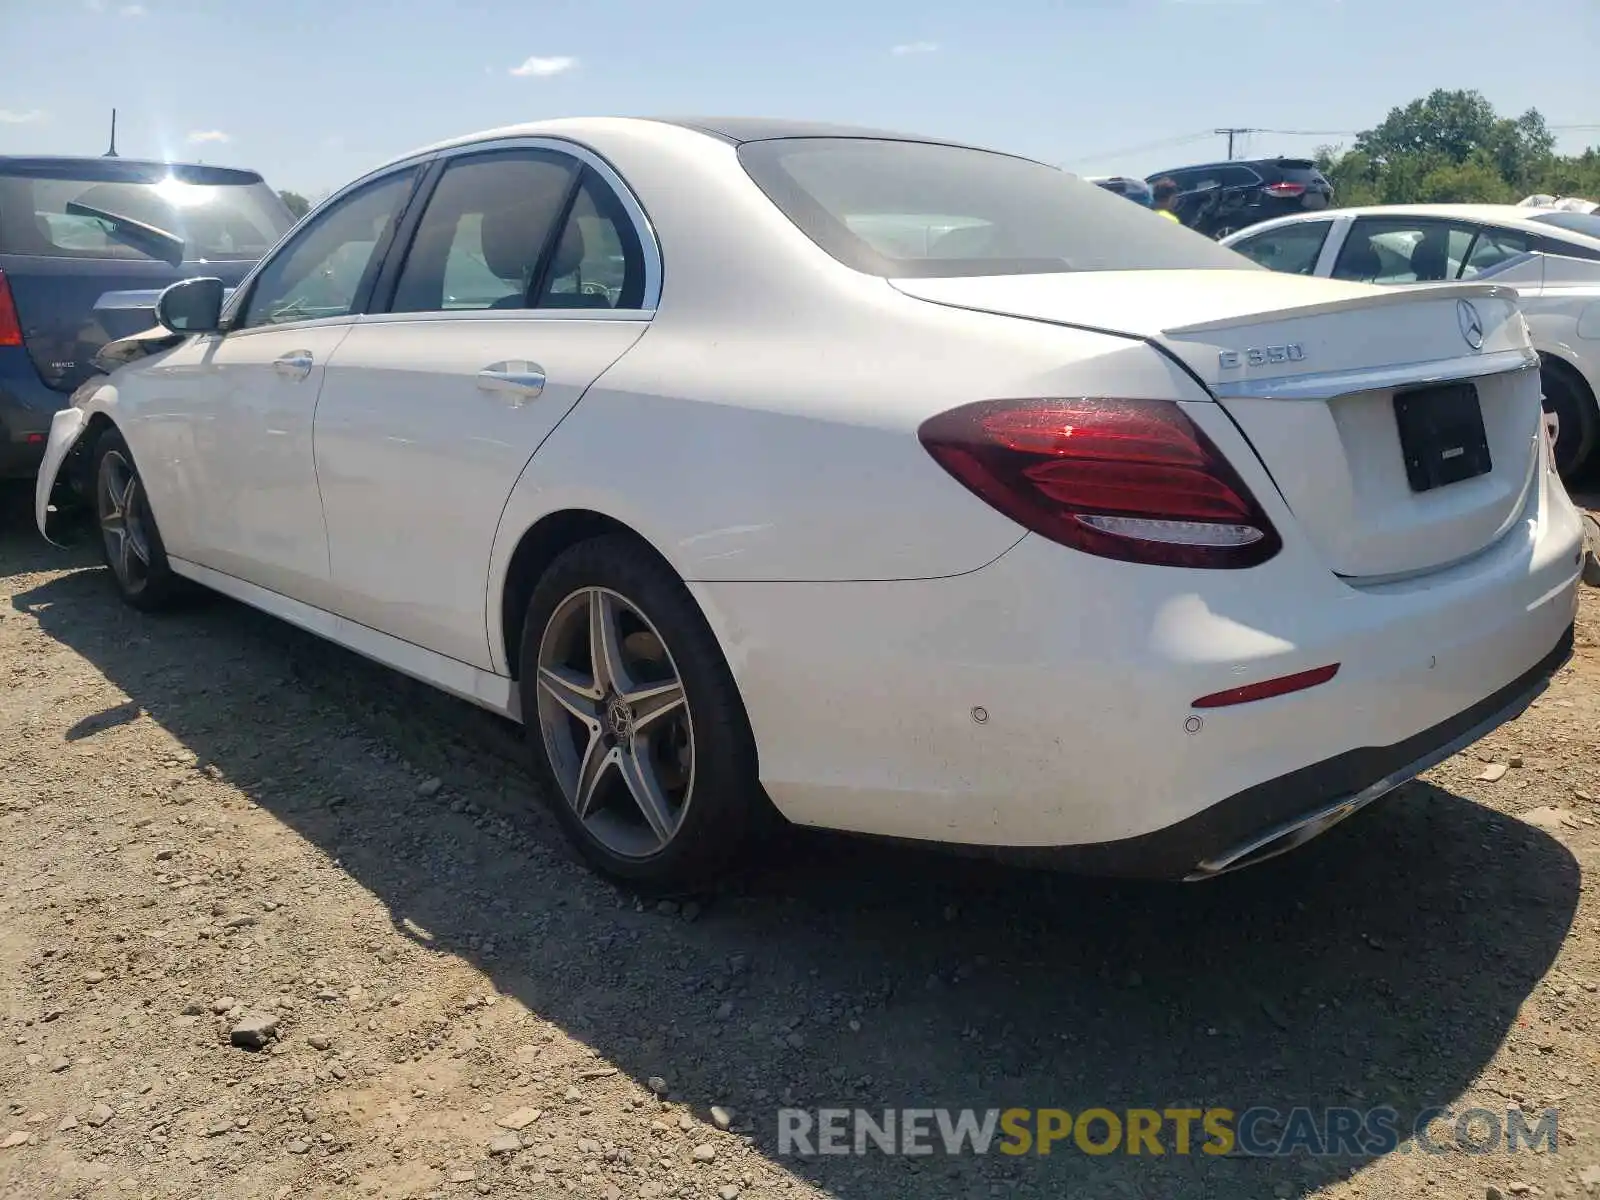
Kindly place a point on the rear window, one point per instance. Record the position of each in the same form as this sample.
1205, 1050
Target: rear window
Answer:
1587, 224
1299, 170
112, 211
919, 210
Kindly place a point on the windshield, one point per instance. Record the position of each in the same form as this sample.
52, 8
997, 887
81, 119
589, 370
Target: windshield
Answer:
915, 209
1587, 224
60, 215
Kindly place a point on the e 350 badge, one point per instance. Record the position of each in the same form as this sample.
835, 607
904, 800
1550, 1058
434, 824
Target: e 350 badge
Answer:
1261, 356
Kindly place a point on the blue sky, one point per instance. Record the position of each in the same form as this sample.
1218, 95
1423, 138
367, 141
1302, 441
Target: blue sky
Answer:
313, 92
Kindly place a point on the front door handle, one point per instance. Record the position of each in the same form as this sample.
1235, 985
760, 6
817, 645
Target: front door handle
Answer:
294, 365
519, 382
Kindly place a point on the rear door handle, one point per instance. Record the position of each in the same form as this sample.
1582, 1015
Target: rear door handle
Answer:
294, 365
518, 381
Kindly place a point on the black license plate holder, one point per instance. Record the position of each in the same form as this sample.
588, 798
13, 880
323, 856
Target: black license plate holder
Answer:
1442, 435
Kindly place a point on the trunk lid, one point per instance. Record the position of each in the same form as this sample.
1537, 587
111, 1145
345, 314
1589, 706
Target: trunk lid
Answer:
1310, 371
70, 307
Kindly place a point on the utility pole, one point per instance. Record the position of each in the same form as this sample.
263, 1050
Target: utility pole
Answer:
1230, 134
112, 153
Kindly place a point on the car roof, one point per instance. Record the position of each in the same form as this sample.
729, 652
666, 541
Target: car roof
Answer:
734, 131
1269, 160
1510, 216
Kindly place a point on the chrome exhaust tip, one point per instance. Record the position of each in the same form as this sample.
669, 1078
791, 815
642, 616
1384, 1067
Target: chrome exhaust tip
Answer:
1281, 840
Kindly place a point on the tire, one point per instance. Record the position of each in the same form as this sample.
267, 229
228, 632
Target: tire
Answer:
601, 740
130, 542
1566, 395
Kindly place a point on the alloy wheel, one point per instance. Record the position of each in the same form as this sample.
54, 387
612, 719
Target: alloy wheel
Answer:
119, 504
615, 722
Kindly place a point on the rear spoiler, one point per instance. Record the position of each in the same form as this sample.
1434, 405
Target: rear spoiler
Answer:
1379, 298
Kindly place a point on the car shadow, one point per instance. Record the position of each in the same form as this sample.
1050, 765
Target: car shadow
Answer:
1381, 966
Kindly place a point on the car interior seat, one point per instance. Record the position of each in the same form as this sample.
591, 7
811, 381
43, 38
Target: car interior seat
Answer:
1430, 257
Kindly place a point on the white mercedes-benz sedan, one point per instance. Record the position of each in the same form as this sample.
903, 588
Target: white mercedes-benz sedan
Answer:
1549, 255
880, 483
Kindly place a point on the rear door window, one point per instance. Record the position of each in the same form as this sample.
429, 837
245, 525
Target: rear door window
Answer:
1403, 250
479, 242
138, 212
1290, 249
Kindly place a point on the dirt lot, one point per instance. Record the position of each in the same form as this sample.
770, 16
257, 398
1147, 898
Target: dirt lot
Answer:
210, 817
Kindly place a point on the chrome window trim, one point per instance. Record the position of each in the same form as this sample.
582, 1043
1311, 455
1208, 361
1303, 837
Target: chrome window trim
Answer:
1329, 384
649, 245
642, 315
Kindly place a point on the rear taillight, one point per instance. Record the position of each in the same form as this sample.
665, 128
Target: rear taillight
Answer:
1127, 479
1285, 191
10, 323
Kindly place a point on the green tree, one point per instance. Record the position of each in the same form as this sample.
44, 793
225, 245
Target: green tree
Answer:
297, 204
1451, 146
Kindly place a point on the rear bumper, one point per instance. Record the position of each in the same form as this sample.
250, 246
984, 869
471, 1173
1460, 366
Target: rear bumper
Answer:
1041, 707
26, 408
1274, 817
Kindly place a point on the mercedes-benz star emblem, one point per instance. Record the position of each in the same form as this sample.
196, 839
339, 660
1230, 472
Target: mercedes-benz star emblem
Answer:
1471, 323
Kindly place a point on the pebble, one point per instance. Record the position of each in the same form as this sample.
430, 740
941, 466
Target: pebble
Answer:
463, 1176
705, 1152
729, 1192
99, 1115
721, 1117
691, 911
725, 1010
1516, 761
430, 787
573, 1095
60, 1065
505, 1143
612, 1192
519, 1118
94, 977
68, 1123
1493, 1193
319, 1041
657, 1085
254, 1031
13, 1140
588, 1146
222, 1004
1493, 772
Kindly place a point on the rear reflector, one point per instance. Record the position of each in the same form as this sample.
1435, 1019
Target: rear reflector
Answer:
1133, 480
34, 439
10, 323
1265, 690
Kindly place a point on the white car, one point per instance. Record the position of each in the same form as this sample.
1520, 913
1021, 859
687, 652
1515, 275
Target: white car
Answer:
1550, 256
893, 485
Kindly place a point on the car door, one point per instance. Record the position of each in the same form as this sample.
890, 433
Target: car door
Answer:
236, 408
529, 271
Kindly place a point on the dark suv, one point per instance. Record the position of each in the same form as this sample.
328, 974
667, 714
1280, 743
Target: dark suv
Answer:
1218, 198
86, 245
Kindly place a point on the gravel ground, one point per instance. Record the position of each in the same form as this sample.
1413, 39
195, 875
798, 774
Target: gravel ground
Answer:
215, 828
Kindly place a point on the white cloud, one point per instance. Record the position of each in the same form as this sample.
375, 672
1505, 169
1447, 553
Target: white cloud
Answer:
11, 116
541, 67
208, 135
133, 10
905, 48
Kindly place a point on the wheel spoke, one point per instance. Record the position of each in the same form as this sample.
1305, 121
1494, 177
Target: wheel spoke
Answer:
597, 760
125, 557
130, 492
646, 791
650, 704
579, 696
605, 646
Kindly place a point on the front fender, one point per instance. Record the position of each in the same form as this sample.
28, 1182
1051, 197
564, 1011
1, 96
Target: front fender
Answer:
67, 432
66, 428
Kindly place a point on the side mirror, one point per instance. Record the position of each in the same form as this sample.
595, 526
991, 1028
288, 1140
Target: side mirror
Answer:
191, 306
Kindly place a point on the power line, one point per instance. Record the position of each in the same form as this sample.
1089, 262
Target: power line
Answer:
1181, 140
